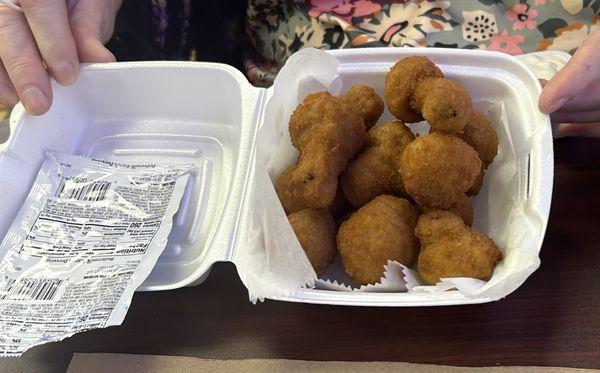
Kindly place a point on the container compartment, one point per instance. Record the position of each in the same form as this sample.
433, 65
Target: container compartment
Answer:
155, 112
513, 185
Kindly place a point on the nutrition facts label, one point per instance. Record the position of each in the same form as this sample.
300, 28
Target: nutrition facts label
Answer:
81, 239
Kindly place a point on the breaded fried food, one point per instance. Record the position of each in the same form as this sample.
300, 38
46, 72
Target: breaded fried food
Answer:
481, 135
445, 104
415, 89
451, 249
285, 191
328, 132
401, 81
374, 171
461, 207
381, 230
315, 230
367, 102
437, 169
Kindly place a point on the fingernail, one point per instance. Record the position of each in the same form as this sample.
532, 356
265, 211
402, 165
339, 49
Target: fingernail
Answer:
34, 100
64, 72
557, 104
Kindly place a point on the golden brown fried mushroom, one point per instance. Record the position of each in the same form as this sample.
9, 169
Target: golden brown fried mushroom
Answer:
445, 104
400, 84
437, 169
481, 135
316, 232
415, 89
381, 230
327, 132
367, 103
451, 249
285, 191
374, 171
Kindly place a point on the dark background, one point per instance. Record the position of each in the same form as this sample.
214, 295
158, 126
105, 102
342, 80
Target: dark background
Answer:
216, 32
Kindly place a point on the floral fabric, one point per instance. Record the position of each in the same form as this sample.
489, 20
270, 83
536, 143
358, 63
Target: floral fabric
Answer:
278, 28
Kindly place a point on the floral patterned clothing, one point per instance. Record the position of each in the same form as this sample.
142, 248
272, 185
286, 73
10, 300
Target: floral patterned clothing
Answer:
278, 28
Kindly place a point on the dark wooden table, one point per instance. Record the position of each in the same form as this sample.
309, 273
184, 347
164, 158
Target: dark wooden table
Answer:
552, 320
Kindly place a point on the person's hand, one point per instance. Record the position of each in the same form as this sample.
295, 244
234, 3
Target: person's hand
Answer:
572, 97
50, 38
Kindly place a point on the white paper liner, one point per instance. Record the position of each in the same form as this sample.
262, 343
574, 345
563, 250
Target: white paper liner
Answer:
500, 212
273, 263
392, 280
335, 278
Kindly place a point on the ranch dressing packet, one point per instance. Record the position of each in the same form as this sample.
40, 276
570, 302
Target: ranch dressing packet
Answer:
88, 234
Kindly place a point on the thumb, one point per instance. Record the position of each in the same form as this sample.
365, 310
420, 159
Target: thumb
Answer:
91, 49
574, 77
92, 23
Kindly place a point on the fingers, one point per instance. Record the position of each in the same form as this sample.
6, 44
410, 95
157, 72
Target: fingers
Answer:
579, 129
8, 95
576, 116
587, 100
92, 24
23, 63
580, 71
92, 50
49, 23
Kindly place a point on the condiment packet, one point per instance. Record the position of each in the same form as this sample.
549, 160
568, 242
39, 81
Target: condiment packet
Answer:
88, 234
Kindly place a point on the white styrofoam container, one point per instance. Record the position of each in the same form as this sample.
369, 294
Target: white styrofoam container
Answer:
209, 114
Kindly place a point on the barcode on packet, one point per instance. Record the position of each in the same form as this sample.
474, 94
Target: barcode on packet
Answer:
31, 289
90, 192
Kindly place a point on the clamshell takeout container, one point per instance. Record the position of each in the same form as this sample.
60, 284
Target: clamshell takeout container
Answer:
236, 135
